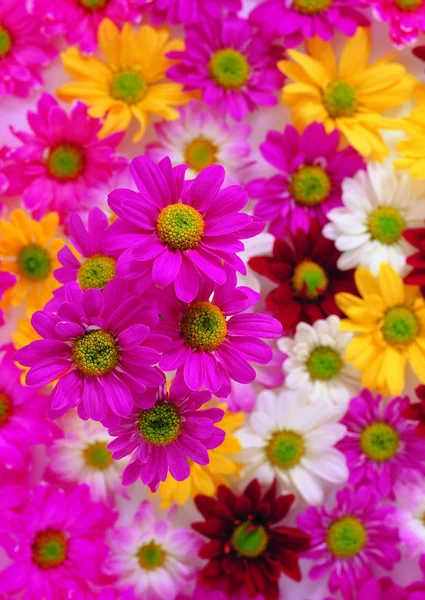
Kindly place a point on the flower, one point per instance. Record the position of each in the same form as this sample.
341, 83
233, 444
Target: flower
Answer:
312, 170
100, 347
406, 19
409, 516
7, 280
304, 267
379, 445
181, 11
315, 364
388, 324
162, 437
411, 149
248, 546
130, 82
200, 138
206, 478
416, 411
23, 50
28, 249
57, 543
234, 67
378, 207
349, 539
351, 97
175, 232
415, 238
386, 589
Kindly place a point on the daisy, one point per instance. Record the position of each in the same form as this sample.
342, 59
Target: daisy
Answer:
416, 411
182, 11
406, 19
409, 516
315, 364
378, 207
127, 83
28, 249
234, 67
350, 97
412, 149
388, 322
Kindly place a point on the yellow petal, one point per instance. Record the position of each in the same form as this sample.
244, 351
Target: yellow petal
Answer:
88, 91
391, 284
416, 356
316, 70
87, 68
203, 481
394, 370
366, 282
117, 119
110, 42
323, 52
295, 72
355, 54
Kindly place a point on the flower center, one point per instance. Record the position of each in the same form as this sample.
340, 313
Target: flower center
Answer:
65, 162
311, 7
96, 352
92, 5
309, 279
200, 153
285, 449
151, 556
34, 262
379, 441
386, 224
408, 4
49, 549
324, 363
249, 539
129, 87
180, 226
161, 424
346, 537
96, 271
5, 409
97, 456
229, 69
340, 99
310, 185
203, 326
400, 325
5, 42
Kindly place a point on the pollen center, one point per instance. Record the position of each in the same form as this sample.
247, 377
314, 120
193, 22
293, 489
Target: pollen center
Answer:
92, 5
229, 69
379, 441
65, 161
5, 42
249, 539
285, 449
34, 262
311, 7
5, 409
49, 549
340, 99
200, 153
309, 279
324, 363
386, 225
129, 87
346, 537
151, 556
161, 424
180, 226
96, 271
203, 326
400, 325
310, 185
97, 456
408, 4
96, 352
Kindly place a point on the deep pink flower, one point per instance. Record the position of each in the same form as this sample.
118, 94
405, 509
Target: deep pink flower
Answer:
7, 280
406, 19
187, 11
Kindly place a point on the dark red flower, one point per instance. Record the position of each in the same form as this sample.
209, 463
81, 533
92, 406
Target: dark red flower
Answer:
247, 548
304, 267
416, 237
416, 411
419, 52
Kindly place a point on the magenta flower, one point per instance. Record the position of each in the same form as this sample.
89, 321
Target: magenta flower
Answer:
300, 19
406, 19
175, 232
7, 280
187, 11
350, 539
308, 186
62, 163
380, 443
234, 67
100, 347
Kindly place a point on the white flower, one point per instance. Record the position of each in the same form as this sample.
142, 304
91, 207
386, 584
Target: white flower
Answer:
410, 516
292, 440
378, 206
315, 365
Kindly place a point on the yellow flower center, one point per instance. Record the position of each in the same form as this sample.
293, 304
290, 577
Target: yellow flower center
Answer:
129, 87
409, 4
229, 69
5, 42
340, 99
200, 153
285, 449
95, 352
49, 549
324, 363
151, 556
65, 162
386, 225
310, 185
380, 441
34, 262
180, 226
92, 5
5, 409
203, 326
346, 537
161, 424
309, 279
96, 271
97, 456
311, 7
249, 540
400, 325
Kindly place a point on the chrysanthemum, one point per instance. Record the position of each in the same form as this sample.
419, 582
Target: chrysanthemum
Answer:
348, 540
388, 322
378, 207
175, 232
129, 82
182, 11
101, 349
232, 65
162, 438
416, 411
350, 97
412, 149
29, 249
409, 516
7, 280
309, 185
304, 267
249, 547
23, 49
406, 19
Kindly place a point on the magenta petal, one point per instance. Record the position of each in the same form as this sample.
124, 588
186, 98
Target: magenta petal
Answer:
166, 267
131, 473
67, 391
133, 336
68, 330
174, 357
194, 371
117, 394
252, 348
94, 399
92, 302
46, 371
186, 283
14, 577
254, 324
235, 364
208, 264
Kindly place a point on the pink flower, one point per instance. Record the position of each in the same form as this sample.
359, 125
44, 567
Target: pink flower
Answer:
7, 280
406, 19
186, 11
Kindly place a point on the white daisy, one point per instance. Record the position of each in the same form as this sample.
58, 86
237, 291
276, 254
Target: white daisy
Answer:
291, 440
379, 204
410, 516
315, 365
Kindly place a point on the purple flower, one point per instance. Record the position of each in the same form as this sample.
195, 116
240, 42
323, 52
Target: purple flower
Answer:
309, 185
231, 63
406, 20
187, 11
7, 280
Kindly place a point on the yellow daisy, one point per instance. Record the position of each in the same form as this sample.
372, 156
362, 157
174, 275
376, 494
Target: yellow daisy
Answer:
130, 82
388, 323
413, 148
349, 96
29, 249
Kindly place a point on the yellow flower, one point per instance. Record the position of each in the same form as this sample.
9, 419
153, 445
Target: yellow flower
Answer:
29, 249
413, 149
130, 82
388, 322
349, 96
205, 480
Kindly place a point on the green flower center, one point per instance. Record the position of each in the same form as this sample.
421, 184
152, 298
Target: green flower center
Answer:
96, 271
310, 185
311, 7
408, 4
203, 326
200, 153
65, 162
5, 409
49, 549
161, 424
309, 279
346, 537
379, 441
324, 363
180, 226
249, 539
5, 42
97, 456
34, 262
95, 352
151, 556
92, 5
400, 325
340, 99
285, 449
129, 87
386, 225
229, 69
